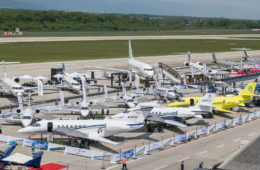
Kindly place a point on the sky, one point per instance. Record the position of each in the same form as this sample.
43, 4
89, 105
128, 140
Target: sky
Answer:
237, 9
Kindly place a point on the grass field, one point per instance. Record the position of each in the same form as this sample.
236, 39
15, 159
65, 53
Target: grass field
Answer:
129, 33
31, 52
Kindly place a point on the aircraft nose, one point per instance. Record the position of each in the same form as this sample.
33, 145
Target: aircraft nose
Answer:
23, 130
84, 113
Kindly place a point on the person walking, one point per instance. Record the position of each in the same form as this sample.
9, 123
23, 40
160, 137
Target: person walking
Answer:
124, 163
182, 165
201, 165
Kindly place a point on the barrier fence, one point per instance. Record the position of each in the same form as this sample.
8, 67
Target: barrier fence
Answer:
135, 151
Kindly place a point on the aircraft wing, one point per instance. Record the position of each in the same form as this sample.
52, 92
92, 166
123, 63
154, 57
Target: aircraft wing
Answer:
51, 108
175, 123
86, 133
11, 119
9, 114
170, 122
110, 69
223, 110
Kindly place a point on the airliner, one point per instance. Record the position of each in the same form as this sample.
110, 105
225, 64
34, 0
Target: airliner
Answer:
140, 68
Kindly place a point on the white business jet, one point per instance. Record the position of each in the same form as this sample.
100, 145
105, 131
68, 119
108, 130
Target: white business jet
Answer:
26, 116
9, 85
176, 115
95, 130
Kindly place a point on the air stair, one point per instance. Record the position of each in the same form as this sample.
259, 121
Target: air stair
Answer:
170, 73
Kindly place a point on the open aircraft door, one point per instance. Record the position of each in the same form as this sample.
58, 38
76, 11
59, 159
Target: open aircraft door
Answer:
191, 102
50, 126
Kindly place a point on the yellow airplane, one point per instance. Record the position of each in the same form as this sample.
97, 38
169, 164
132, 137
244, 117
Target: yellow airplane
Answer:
222, 104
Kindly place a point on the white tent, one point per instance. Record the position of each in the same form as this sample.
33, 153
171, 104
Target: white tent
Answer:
58, 75
18, 158
26, 77
40, 78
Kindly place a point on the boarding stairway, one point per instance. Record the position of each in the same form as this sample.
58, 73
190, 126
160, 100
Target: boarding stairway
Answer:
240, 78
171, 73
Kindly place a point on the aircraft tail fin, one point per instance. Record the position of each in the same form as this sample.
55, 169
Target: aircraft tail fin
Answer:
36, 161
214, 58
206, 102
246, 56
189, 56
249, 90
8, 151
130, 51
63, 67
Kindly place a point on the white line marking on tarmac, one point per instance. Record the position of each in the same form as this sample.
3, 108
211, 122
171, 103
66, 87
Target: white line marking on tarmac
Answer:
201, 153
237, 139
161, 167
220, 146
183, 159
252, 134
112, 167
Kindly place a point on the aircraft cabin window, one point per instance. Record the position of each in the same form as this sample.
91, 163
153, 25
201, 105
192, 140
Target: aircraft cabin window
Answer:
36, 125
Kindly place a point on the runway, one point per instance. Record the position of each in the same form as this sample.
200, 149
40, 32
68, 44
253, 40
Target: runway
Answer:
97, 38
211, 150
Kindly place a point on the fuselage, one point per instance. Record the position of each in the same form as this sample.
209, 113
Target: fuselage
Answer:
141, 68
71, 83
106, 127
223, 102
12, 87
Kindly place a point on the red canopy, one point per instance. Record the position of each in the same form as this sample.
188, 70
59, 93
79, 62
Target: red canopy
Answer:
50, 166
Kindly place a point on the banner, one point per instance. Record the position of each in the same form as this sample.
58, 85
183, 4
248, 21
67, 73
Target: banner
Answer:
4, 138
78, 151
37, 144
127, 154
54, 146
40, 88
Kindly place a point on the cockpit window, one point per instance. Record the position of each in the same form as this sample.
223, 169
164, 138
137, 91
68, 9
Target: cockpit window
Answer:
181, 100
126, 111
36, 125
27, 117
148, 69
84, 108
75, 84
17, 88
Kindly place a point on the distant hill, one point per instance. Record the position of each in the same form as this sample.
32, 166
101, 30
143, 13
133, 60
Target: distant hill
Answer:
67, 21
14, 4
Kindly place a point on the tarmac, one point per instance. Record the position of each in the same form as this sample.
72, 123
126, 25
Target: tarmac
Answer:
211, 149
148, 37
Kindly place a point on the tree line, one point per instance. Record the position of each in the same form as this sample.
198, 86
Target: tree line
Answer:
67, 21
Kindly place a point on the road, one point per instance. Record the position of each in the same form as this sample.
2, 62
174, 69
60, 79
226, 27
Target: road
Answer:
151, 37
211, 150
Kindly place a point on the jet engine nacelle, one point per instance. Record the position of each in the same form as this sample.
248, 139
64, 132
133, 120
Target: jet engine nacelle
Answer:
37, 111
18, 110
17, 80
186, 64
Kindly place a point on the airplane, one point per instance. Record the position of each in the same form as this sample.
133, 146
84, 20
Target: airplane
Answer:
166, 93
67, 80
6, 153
10, 86
176, 115
225, 63
140, 68
26, 116
248, 58
200, 68
222, 103
95, 130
